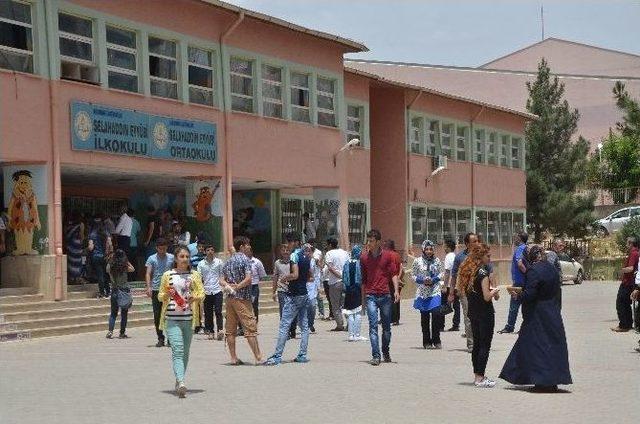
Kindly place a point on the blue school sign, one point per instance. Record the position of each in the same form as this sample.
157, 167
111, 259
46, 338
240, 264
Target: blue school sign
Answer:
126, 132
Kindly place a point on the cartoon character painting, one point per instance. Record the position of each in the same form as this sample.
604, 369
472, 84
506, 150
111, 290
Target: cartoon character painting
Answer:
23, 213
202, 205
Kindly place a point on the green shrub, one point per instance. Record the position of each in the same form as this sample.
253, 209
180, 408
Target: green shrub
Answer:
630, 229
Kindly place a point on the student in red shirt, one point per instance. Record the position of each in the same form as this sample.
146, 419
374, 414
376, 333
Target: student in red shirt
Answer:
379, 269
623, 300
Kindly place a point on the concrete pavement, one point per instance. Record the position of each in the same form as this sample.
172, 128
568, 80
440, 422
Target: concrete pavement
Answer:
89, 379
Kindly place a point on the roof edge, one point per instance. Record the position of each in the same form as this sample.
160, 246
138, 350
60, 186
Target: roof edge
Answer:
433, 91
353, 46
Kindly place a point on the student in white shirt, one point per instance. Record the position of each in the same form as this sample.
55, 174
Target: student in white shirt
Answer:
449, 284
211, 269
123, 232
335, 260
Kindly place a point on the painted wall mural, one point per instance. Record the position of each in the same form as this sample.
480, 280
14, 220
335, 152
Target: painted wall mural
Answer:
25, 194
252, 218
204, 202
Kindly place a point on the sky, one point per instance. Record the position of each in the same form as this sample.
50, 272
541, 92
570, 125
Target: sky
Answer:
460, 32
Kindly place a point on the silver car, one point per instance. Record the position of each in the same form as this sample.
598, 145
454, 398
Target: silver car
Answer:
615, 221
571, 269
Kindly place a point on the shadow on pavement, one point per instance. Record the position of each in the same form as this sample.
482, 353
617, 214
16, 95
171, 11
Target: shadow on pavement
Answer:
189, 392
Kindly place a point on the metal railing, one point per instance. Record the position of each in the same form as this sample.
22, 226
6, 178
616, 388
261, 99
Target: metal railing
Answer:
613, 196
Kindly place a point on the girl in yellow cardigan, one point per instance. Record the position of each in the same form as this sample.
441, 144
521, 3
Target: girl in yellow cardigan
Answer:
181, 292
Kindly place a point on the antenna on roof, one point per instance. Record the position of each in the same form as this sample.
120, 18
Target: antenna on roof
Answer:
542, 19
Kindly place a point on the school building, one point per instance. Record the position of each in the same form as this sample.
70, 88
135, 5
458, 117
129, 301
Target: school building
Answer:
239, 122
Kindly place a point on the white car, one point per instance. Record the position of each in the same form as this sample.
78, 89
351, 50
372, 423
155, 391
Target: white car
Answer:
571, 269
615, 221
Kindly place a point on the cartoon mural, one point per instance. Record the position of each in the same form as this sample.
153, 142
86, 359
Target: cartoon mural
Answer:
24, 186
252, 218
204, 204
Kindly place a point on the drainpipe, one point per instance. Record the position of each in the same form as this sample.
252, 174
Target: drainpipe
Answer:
408, 149
228, 220
473, 166
55, 178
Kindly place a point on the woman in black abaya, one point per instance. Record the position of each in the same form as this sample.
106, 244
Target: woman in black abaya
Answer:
540, 355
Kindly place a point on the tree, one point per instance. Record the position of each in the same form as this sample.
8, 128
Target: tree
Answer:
556, 165
617, 165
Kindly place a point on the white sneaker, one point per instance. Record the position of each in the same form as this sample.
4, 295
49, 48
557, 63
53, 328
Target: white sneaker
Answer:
182, 390
485, 383
361, 339
352, 338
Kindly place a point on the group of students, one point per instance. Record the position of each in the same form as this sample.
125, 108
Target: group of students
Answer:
539, 356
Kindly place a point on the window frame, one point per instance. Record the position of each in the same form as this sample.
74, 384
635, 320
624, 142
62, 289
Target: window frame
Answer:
177, 81
251, 77
492, 158
419, 131
292, 87
449, 151
431, 148
211, 68
30, 28
350, 134
457, 149
79, 38
281, 84
124, 49
479, 146
516, 152
333, 97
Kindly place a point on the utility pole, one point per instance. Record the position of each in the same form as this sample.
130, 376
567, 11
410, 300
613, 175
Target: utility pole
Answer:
542, 19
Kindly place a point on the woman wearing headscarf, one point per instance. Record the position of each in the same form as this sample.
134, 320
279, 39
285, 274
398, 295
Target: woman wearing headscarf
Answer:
352, 283
427, 274
539, 356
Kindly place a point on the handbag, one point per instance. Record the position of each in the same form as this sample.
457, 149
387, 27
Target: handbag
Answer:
445, 308
124, 299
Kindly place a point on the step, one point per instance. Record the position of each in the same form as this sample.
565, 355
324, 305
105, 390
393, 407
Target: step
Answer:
76, 320
17, 291
73, 303
66, 312
29, 298
87, 328
8, 326
14, 336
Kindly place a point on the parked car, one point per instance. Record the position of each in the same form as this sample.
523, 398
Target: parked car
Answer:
612, 223
571, 269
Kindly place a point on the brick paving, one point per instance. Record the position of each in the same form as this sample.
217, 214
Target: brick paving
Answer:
88, 379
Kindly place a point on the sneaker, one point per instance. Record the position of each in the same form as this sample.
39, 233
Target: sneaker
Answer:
337, 329
123, 336
361, 339
182, 390
351, 338
160, 343
437, 346
386, 358
620, 330
505, 331
301, 359
312, 329
220, 335
454, 328
427, 346
272, 361
463, 335
109, 334
375, 362
485, 383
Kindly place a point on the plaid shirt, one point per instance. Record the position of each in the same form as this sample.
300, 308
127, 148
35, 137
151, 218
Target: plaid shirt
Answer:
234, 271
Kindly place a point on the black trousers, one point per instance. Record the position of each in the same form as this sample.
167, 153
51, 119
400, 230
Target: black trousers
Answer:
157, 310
456, 308
623, 306
482, 330
395, 307
325, 286
213, 304
431, 323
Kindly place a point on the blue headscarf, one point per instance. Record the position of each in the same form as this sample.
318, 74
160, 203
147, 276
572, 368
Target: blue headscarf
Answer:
425, 244
351, 272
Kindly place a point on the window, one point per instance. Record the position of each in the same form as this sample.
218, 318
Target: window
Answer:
416, 135
434, 225
518, 222
463, 224
445, 140
431, 138
491, 148
355, 115
449, 224
461, 143
418, 225
300, 97
76, 49
163, 72
357, 222
291, 216
481, 224
16, 36
200, 76
621, 214
478, 143
241, 85
271, 91
504, 151
515, 152
493, 221
506, 225
635, 212
326, 102
122, 60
